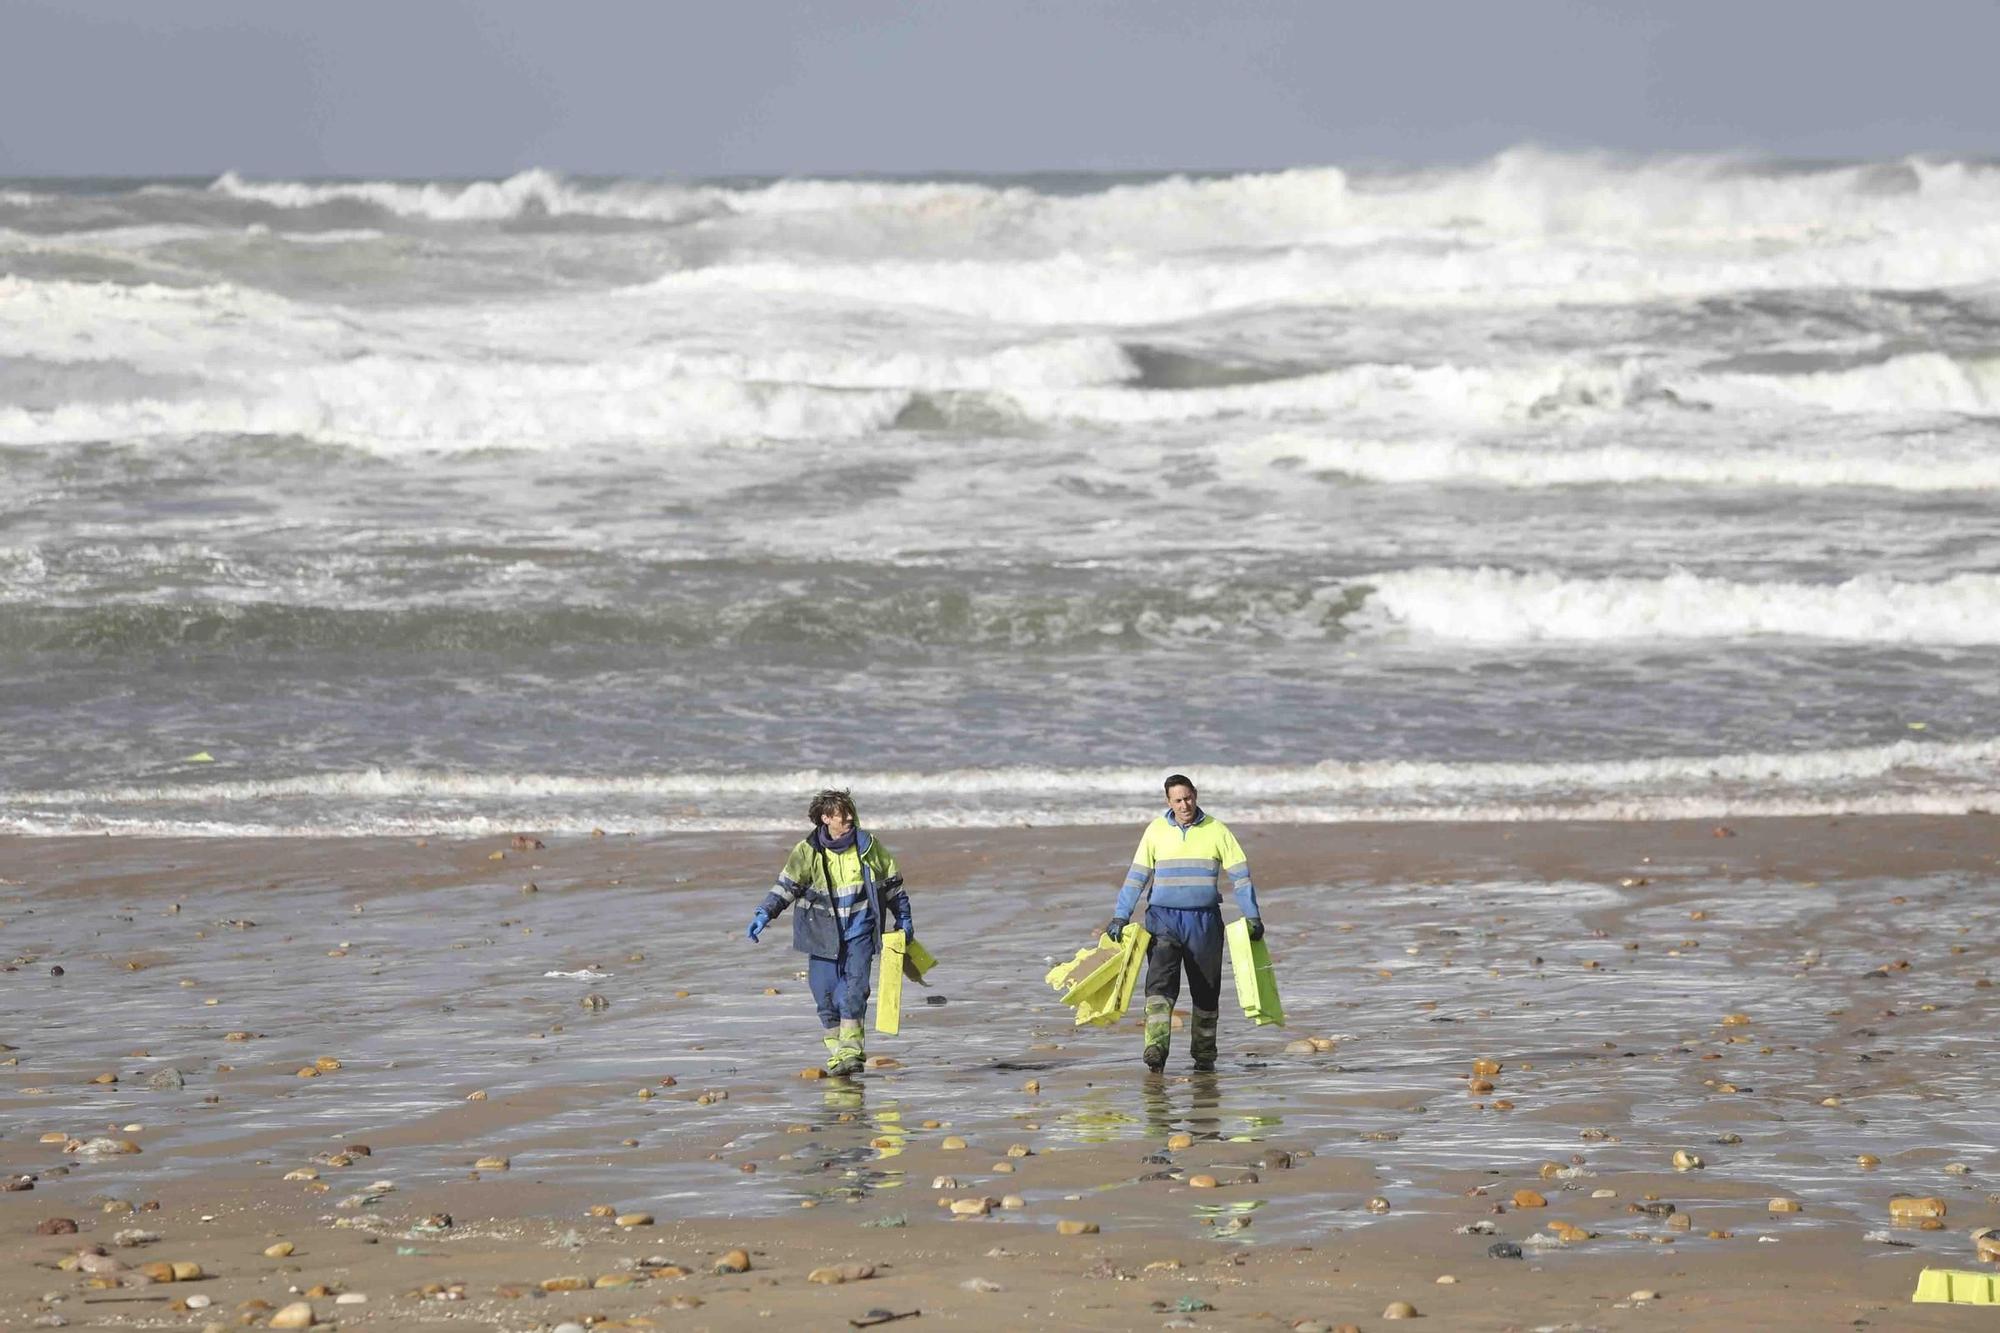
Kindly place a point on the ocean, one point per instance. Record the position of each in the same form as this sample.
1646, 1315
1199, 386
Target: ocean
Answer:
1551, 486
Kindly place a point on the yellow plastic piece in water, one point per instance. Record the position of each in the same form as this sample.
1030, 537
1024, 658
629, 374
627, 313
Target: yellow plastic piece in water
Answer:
1256, 983
1956, 1286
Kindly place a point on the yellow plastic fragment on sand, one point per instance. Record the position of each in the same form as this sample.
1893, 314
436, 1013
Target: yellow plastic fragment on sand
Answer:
1956, 1286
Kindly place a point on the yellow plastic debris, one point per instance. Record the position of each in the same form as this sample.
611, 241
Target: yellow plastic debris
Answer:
1099, 981
1956, 1286
1256, 983
900, 956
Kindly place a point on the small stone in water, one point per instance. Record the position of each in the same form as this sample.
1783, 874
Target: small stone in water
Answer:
1378, 1204
735, 1261
1529, 1199
1201, 1182
1068, 1227
1782, 1205
1400, 1310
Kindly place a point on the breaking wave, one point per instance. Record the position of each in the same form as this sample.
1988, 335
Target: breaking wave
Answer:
1902, 777
1905, 466
1502, 606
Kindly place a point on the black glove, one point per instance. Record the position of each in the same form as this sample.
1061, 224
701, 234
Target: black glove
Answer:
1256, 928
1116, 928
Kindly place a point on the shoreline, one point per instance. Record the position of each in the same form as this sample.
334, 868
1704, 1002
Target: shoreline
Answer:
1777, 1000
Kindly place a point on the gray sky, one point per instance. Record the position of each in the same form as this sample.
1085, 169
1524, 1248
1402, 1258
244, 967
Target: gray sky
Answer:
487, 87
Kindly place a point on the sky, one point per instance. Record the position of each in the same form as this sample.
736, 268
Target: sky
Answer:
427, 88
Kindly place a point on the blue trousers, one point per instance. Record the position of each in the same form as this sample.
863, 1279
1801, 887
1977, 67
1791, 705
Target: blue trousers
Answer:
840, 985
1190, 939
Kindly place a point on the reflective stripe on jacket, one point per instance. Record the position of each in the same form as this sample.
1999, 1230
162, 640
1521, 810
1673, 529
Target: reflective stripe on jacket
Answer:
1184, 867
865, 884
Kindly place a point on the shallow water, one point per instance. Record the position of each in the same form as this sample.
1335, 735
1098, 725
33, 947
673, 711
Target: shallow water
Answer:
442, 991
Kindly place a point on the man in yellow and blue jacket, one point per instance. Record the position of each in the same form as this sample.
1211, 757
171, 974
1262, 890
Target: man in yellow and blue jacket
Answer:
843, 883
1182, 858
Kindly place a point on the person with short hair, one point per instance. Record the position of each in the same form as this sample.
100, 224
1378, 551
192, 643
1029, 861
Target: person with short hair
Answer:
844, 883
1181, 859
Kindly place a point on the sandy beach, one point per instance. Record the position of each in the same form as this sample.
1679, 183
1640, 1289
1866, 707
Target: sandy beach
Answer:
1803, 1005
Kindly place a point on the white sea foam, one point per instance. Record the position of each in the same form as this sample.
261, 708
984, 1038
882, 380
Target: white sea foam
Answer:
1902, 777
1921, 381
1902, 465
399, 405
1524, 192
1489, 605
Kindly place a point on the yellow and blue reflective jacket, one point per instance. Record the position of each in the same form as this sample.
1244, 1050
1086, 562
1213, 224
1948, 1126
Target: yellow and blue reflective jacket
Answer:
1184, 866
865, 886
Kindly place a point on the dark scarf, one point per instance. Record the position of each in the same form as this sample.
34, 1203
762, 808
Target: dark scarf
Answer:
826, 844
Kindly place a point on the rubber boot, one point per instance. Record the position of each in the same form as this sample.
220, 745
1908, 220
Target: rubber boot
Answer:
1203, 1044
832, 1045
848, 1056
1159, 1031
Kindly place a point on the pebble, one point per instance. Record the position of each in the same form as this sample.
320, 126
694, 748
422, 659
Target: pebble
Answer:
299, 1314
1644, 1294
952, 1143
1013, 1201
1447, 1280
979, 1284
1176, 1142
1033, 1085
1529, 1199
1785, 1206
281, 1250
1905, 1206
634, 1219
971, 1207
1303, 1046
198, 1301
1503, 1249
1069, 1227
1400, 1310
1378, 1204
348, 1298
492, 1164
835, 1274
735, 1261
1201, 1182
1687, 1161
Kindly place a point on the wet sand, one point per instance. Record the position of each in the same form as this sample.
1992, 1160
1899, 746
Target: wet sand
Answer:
1778, 999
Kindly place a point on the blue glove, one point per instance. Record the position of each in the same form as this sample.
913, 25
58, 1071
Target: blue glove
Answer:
1117, 927
757, 924
907, 924
1256, 928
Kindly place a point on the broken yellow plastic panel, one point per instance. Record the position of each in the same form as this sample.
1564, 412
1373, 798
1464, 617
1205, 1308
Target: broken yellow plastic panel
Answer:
900, 956
1102, 994
890, 960
917, 960
1089, 960
1957, 1286
1256, 983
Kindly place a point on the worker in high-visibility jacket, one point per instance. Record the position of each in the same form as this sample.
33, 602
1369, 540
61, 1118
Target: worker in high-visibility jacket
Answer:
842, 883
1182, 858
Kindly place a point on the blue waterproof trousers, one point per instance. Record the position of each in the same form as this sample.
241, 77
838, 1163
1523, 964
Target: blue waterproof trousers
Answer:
1185, 938
840, 985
